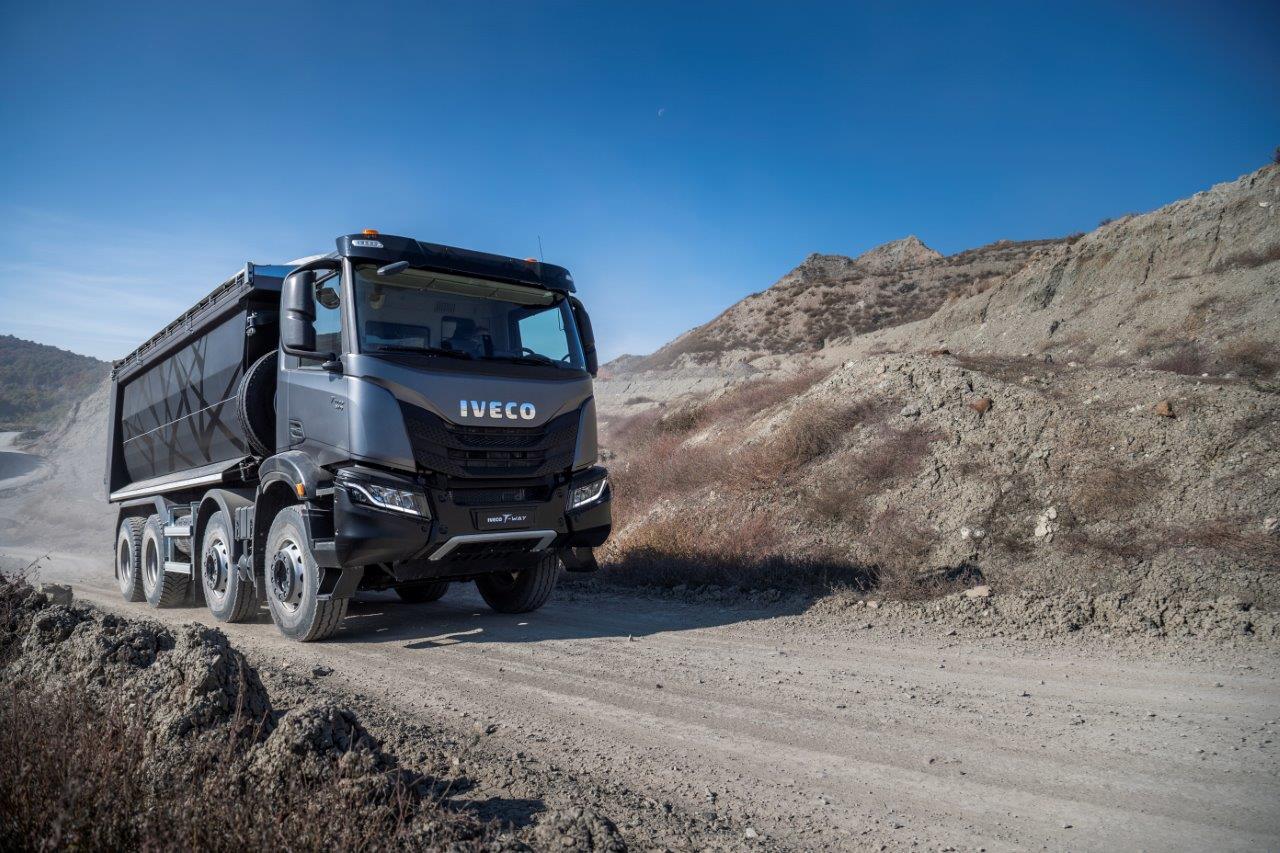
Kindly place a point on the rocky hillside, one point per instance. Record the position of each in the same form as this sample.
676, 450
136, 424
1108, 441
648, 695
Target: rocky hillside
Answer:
39, 382
1193, 287
829, 298
1190, 287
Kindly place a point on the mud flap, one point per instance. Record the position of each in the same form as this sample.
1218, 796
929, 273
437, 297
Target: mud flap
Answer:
579, 560
340, 583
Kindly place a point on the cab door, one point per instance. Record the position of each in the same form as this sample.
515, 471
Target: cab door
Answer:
315, 399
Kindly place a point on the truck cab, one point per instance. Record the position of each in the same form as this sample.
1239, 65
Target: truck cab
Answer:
406, 415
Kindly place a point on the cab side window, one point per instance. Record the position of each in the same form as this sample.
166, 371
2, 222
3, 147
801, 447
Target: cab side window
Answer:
328, 315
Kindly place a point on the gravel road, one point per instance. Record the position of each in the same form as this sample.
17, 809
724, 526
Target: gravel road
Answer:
812, 734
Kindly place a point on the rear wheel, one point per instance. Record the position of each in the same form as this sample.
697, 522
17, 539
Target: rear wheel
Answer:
422, 592
293, 583
129, 558
162, 589
520, 592
230, 597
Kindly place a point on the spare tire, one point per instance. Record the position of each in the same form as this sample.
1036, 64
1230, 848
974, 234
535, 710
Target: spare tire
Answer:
256, 404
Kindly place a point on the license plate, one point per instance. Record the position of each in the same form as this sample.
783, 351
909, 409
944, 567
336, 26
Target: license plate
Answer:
503, 519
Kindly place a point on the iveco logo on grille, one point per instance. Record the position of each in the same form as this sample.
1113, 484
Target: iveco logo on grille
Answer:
497, 409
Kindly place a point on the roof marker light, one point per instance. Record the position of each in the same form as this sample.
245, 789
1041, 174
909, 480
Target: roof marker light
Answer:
370, 232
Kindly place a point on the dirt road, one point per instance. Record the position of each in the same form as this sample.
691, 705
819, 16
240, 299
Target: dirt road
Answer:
817, 735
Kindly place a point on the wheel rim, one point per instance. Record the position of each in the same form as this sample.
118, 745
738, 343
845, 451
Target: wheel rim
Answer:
150, 566
216, 569
287, 576
124, 566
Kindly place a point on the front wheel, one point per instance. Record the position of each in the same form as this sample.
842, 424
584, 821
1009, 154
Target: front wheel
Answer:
422, 591
293, 583
520, 592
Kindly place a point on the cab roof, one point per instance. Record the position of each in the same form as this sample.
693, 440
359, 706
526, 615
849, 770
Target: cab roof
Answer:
387, 249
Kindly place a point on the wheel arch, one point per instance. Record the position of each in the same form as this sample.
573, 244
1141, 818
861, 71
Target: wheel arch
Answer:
216, 500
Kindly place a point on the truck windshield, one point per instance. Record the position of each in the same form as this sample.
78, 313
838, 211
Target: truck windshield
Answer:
447, 316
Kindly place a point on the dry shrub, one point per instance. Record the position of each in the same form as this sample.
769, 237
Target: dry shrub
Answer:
901, 569
1127, 543
1234, 538
1111, 488
895, 455
1250, 357
666, 467
812, 430
1185, 358
74, 775
1248, 259
744, 553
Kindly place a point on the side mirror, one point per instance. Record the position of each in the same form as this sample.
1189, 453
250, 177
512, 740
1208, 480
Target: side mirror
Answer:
298, 313
588, 336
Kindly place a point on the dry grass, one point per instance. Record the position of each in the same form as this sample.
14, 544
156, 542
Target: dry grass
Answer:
1186, 358
810, 432
1250, 357
1237, 538
74, 775
1110, 489
744, 553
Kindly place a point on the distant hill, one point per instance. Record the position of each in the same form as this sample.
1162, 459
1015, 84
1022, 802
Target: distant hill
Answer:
831, 298
38, 382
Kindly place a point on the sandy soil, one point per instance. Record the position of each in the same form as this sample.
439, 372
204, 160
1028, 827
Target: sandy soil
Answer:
813, 734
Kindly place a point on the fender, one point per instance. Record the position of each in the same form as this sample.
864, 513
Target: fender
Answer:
298, 471
141, 507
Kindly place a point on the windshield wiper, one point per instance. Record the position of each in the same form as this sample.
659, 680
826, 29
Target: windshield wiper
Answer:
450, 353
538, 358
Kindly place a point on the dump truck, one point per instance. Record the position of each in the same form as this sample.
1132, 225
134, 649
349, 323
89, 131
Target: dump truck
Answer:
393, 415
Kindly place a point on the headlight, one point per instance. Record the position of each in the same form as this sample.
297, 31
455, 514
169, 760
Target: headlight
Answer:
396, 500
588, 493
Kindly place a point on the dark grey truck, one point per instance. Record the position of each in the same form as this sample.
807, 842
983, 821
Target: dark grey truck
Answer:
392, 415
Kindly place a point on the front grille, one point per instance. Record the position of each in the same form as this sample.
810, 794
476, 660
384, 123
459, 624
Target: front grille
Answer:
490, 550
499, 452
501, 497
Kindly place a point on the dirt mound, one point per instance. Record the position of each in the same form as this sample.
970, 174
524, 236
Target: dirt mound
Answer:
324, 744
186, 682
1028, 616
130, 711
577, 831
915, 476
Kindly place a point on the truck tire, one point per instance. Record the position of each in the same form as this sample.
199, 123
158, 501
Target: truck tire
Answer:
520, 592
162, 589
422, 591
256, 404
230, 597
293, 582
129, 559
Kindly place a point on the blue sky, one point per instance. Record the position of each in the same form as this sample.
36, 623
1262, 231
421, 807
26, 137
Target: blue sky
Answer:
675, 156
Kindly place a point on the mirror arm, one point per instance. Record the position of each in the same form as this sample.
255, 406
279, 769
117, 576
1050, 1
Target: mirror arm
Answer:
330, 359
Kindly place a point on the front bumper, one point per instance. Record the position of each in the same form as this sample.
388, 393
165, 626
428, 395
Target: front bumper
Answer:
460, 540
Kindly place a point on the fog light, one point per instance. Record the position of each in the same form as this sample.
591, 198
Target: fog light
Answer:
587, 493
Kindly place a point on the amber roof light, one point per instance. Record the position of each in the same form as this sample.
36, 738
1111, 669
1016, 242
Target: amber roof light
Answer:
369, 232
